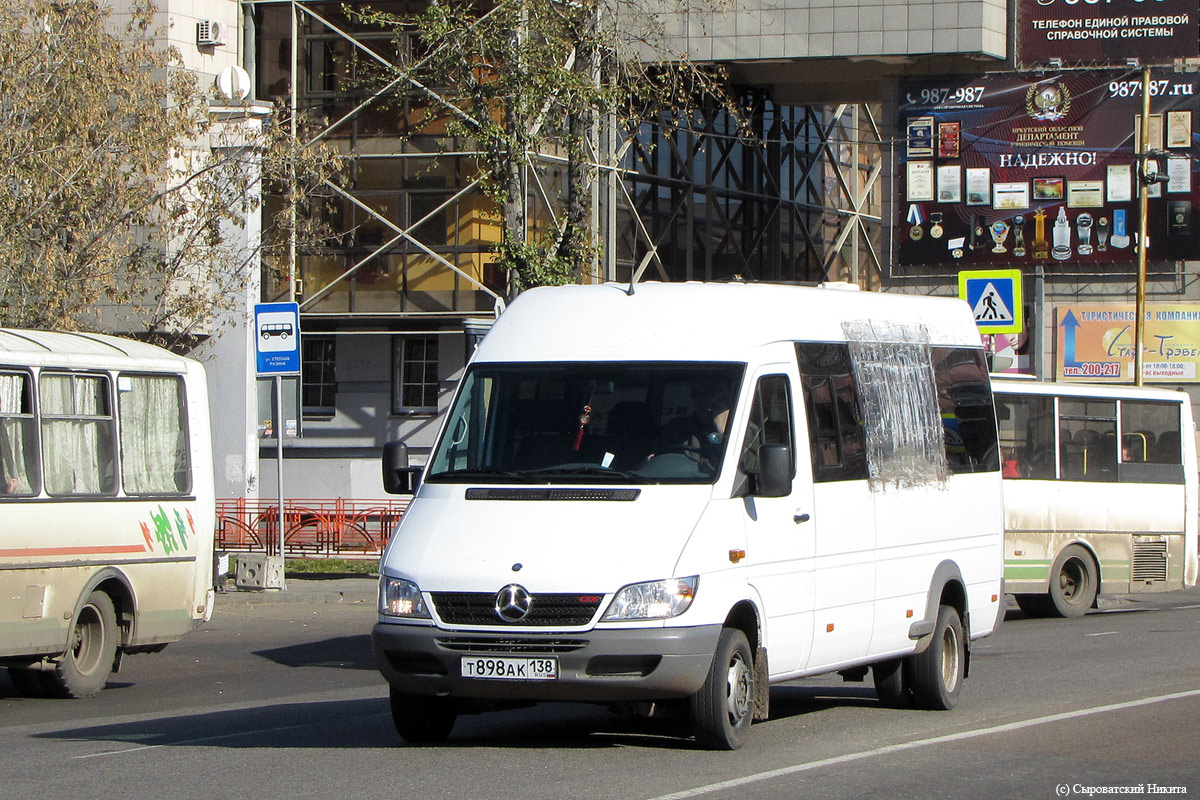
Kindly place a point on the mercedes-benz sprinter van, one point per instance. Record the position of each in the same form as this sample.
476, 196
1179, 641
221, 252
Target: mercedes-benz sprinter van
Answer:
676, 495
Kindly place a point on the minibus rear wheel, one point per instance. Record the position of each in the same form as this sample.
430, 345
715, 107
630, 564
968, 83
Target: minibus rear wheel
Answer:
936, 673
724, 707
84, 669
421, 719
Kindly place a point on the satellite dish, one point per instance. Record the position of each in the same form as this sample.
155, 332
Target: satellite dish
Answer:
234, 83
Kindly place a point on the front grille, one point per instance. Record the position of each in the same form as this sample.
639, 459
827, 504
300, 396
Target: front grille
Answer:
491, 644
1149, 562
479, 608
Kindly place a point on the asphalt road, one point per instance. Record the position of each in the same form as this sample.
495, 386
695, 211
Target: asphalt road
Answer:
278, 697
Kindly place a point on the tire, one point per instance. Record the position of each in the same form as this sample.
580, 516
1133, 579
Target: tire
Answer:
421, 719
723, 709
84, 669
890, 684
1074, 582
936, 673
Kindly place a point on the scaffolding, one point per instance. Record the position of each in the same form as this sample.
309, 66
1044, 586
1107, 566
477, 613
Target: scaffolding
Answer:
787, 193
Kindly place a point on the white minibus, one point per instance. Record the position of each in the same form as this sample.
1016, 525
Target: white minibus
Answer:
669, 497
106, 506
1099, 492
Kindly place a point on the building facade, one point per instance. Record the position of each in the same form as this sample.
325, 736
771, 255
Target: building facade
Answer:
391, 307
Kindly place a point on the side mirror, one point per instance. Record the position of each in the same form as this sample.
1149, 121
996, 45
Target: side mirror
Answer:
398, 476
774, 471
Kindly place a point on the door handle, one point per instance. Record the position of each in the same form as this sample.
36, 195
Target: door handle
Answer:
798, 518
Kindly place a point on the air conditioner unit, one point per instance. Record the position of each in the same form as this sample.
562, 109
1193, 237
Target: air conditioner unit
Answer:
209, 32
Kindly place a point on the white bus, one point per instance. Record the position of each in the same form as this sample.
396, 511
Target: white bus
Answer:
106, 506
1099, 492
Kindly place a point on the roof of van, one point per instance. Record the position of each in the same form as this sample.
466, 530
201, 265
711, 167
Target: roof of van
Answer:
92, 350
702, 321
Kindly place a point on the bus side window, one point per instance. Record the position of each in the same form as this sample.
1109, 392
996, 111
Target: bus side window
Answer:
1089, 439
154, 456
78, 440
18, 437
1027, 433
1150, 442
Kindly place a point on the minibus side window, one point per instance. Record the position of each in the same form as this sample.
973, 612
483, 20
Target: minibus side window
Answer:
965, 403
835, 429
18, 437
78, 441
770, 420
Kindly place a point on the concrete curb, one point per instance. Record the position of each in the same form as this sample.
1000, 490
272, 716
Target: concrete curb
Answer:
315, 590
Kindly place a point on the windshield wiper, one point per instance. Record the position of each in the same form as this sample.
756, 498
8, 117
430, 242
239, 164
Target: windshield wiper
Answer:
482, 472
584, 470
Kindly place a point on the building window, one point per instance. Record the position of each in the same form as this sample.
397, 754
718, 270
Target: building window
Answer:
319, 389
415, 375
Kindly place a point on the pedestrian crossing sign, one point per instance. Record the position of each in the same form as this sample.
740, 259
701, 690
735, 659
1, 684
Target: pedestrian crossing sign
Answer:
994, 296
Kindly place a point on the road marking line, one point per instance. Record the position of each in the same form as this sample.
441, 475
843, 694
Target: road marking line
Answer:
1104, 633
898, 748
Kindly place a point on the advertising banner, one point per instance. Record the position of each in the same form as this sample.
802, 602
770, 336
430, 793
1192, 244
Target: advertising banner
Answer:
1106, 32
1095, 342
1004, 170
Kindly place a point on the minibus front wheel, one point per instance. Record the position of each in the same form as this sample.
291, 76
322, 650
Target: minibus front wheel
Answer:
724, 707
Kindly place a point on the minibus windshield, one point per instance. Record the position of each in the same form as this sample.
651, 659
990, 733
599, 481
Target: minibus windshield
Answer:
588, 422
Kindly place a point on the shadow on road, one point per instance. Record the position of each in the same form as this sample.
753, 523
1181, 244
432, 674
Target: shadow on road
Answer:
344, 652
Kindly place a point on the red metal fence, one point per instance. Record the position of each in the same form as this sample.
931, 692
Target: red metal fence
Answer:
313, 528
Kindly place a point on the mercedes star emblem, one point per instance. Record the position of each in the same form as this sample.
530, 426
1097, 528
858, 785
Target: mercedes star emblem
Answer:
512, 603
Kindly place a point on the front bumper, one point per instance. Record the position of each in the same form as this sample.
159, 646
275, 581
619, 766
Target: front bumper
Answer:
597, 665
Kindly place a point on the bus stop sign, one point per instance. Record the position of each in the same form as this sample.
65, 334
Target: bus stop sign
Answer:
277, 338
994, 296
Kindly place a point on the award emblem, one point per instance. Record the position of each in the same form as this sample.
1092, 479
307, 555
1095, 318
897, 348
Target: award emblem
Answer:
999, 231
935, 227
1019, 235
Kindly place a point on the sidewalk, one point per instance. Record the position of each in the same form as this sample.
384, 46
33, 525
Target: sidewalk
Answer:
313, 589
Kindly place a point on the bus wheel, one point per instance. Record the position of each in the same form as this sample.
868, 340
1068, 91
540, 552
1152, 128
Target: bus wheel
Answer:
421, 719
890, 684
1073, 582
724, 707
84, 668
936, 673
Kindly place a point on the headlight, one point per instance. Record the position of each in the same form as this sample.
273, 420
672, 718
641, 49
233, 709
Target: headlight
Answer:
654, 600
401, 598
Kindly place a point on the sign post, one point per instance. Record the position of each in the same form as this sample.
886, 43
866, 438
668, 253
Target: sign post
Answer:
277, 353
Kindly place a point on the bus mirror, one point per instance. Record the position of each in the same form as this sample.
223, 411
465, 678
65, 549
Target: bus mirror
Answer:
398, 476
774, 470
